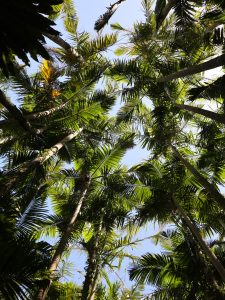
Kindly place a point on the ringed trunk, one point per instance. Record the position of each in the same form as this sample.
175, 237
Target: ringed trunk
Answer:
220, 118
195, 231
93, 266
208, 65
43, 291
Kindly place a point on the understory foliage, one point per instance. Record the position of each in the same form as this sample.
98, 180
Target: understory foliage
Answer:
64, 187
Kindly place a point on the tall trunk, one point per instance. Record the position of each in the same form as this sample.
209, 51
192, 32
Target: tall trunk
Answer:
9, 181
58, 40
165, 11
93, 265
195, 231
210, 188
43, 291
45, 113
206, 113
89, 276
37, 115
208, 65
94, 283
210, 278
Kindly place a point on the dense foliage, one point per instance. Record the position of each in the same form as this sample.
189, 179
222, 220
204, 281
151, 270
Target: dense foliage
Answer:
62, 181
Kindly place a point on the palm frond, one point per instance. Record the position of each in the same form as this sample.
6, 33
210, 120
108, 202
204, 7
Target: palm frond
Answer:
150, 268
111, 156
104, 19
33, 217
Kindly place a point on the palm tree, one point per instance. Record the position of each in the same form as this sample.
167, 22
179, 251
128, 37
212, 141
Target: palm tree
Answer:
62, 119
113, 204
89, 171
169, 193
213, 63
178, 271
23, 257
39, 118
59, 111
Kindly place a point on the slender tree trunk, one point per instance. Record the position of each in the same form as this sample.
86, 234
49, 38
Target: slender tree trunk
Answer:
53, 150
208, 65
214, 288
58, 40
37, 115
43, 291
94, 283
9, 181
89, 276
210, 188
46, 113
165, 11
93, 265
220, 118
195, 231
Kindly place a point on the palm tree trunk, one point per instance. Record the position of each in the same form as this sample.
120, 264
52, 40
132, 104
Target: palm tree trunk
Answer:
36, 115
58, 40
93, 266
195, 231
220, 118
42, 293
214, 288
165, 11
208, 65
210, 188
53, 150
9, 181
46, 113
94, 283
89, 276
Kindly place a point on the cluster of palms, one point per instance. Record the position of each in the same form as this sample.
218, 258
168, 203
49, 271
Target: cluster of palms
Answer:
59, 145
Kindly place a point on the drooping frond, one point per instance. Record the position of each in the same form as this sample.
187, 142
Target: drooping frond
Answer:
32, 218
214, 89
19, 37
104, 19
111, 156
151, 268
184, 10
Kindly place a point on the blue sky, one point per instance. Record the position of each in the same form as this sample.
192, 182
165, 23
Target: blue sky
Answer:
89, 11
128, 12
